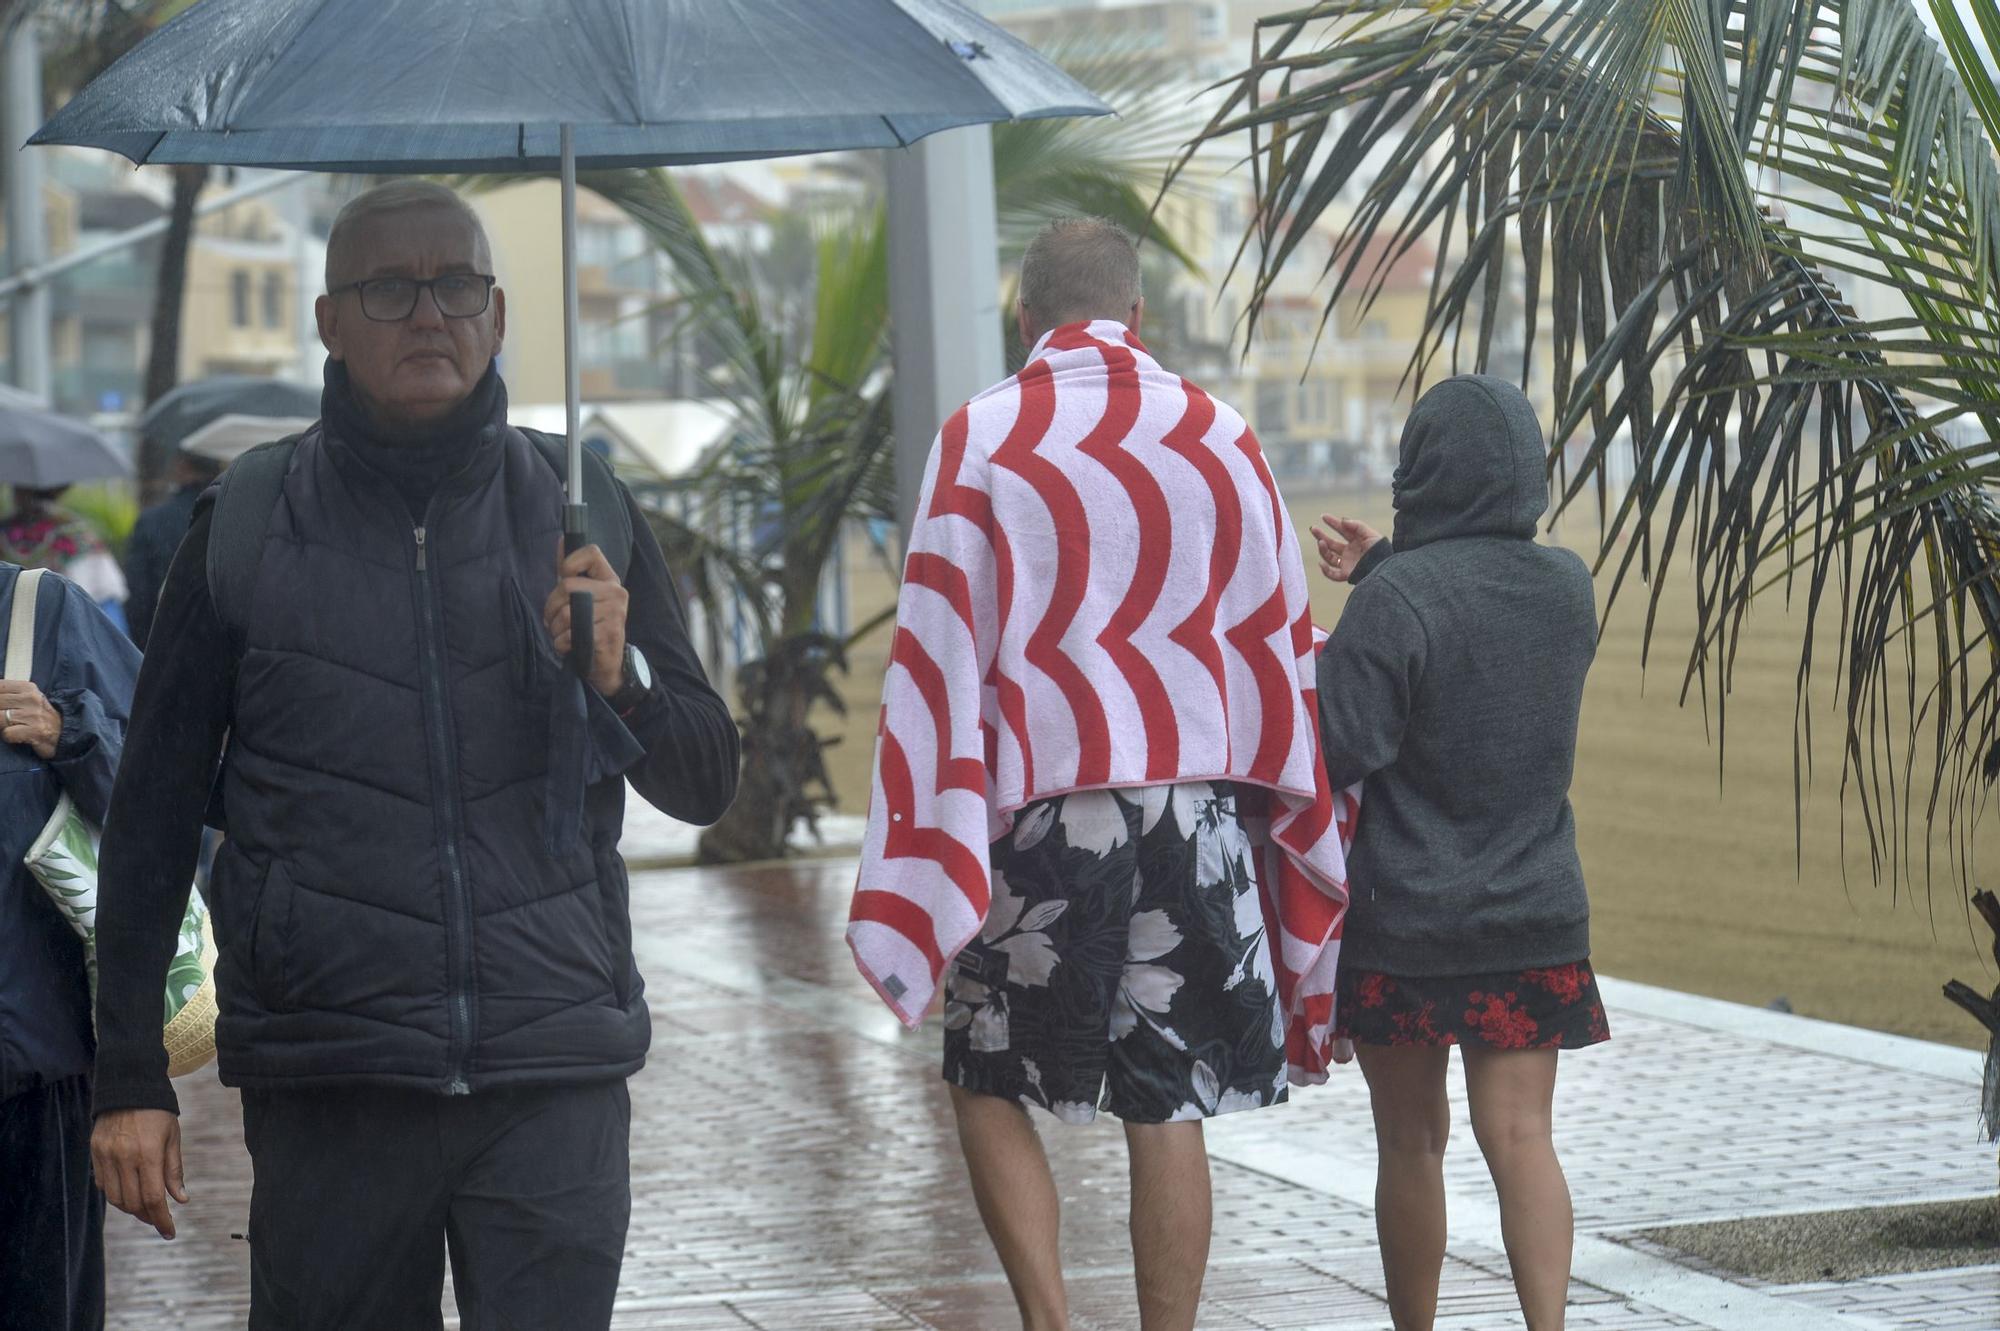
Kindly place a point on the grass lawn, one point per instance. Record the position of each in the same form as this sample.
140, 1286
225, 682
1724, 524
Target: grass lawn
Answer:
1696, 881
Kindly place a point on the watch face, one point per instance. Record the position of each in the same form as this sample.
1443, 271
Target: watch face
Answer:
636, 667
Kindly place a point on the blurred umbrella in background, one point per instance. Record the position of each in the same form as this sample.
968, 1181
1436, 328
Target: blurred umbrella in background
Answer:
42, 450
193, 405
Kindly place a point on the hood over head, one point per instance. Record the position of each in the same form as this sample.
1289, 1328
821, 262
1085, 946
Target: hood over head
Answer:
1472, 464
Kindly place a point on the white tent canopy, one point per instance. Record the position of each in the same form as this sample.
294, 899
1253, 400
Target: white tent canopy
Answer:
229, 437
658, 438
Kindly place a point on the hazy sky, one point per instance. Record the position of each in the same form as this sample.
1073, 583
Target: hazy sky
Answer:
1971, 26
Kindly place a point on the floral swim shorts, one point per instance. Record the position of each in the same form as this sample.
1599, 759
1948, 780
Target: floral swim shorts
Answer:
1123, 964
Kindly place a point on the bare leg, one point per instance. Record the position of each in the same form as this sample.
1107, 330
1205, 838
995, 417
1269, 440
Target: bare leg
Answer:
1412, 1122
1170, 1221
1513, 1094
1017, 1200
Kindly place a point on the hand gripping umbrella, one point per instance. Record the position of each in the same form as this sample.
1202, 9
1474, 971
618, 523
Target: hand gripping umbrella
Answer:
383, 86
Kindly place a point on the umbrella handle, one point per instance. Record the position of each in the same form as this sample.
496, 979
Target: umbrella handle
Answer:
582, 612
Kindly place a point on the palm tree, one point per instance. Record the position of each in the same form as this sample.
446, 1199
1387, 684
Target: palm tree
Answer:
1676, 191
812, 449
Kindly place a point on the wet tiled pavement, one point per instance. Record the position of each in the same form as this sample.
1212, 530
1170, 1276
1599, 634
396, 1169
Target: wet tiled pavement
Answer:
794, 1166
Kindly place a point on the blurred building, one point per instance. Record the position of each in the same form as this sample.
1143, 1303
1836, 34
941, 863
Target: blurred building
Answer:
242, 312
1327, 388
1182, 36
633, 341
253, 271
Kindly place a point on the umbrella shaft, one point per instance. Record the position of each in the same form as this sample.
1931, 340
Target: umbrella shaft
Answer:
582, 651
572, 375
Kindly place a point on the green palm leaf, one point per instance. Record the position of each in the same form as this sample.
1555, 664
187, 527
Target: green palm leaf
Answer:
1671, 189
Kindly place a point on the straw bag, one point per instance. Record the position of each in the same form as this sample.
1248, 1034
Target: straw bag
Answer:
63, 860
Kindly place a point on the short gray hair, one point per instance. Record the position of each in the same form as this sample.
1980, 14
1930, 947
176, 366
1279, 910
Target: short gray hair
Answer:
1079, 268
398, 196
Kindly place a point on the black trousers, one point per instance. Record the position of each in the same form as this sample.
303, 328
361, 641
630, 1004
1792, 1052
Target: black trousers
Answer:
360, 1193
51, 1213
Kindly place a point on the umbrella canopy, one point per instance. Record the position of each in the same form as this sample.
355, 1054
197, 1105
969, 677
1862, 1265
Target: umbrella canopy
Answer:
526, 85
483, 85
191, 406
227, 438
44, 451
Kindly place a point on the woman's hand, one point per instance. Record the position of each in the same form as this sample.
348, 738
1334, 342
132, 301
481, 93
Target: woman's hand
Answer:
26, 717
1342, 544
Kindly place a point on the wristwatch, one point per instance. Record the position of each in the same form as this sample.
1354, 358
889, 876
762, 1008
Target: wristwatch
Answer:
637, 684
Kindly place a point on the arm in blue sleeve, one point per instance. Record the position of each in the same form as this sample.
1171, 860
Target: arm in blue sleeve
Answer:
96, 667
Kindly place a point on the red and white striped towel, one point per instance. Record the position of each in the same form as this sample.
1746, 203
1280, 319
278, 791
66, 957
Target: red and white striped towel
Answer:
1103, 589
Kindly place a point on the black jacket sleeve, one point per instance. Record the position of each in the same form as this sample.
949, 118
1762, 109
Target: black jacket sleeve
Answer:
152, 837
1368, 676
691, 741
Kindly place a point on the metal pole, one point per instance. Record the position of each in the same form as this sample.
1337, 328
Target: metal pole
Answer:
944, 292
12, 287
572, 373
576, 524
27, 239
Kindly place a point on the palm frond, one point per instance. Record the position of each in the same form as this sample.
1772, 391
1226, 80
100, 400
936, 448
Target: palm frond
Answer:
1667, 186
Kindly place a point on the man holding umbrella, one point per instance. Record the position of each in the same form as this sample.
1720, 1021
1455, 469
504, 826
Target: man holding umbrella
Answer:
426, 981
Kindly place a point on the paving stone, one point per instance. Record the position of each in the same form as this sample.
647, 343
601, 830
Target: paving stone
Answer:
794, 1162
1958, 1300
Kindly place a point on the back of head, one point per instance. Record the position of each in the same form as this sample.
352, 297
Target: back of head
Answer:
1079, 269
1472, 464
194, 469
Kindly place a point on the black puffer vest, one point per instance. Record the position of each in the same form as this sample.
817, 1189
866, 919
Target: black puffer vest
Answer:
386, 903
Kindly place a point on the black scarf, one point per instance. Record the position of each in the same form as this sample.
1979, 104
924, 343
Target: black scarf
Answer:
416, 462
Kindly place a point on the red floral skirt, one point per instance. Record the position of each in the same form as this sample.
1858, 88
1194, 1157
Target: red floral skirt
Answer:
1555, 1007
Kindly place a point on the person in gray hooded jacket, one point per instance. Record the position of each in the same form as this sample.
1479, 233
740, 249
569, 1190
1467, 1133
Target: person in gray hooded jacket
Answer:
1451, 690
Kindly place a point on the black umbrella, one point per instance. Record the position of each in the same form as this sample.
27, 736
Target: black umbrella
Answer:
524, 85
187, 408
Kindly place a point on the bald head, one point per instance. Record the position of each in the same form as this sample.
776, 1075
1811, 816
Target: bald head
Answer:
1079, 269
398, 203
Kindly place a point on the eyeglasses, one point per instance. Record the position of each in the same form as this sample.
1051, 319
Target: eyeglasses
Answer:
456, 295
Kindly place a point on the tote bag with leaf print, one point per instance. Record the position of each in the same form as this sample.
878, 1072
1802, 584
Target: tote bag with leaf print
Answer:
63, 859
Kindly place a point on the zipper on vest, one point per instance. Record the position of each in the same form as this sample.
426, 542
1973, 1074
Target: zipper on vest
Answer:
457, 907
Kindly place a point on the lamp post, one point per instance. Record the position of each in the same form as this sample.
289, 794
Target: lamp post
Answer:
27, 238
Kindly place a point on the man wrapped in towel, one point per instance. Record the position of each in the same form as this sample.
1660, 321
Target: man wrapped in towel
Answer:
1100, 818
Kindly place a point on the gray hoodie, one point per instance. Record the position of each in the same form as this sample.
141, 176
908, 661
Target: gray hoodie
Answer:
1452, 687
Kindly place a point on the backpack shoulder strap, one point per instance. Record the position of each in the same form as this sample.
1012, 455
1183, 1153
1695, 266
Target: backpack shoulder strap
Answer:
610, 521
21, 626
244, 500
